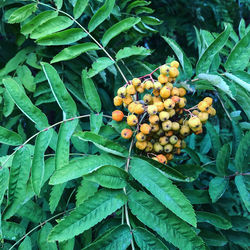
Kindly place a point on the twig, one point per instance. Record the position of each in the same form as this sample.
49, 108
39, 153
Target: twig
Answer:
222, 104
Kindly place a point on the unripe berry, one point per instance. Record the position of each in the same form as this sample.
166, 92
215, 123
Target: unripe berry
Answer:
157, 85
132, 120
182, 92
166, 126
158, 148
118, 101
140, 89
141, 145
164, 116
211, 111
159, 105
194, 122
165, 92
145, 128
185, 130
131, 90
173, 139
154, 119
171, 112
174, 64
162, 79
175, 126
175, 91
196, 129
128, 99
162, 159
117, 115
152, 109
168, 148
169, 104
164, 69
149, 147
203, 116
203, 106
126, 133
160, 133
122, 91
141, 137
173, 72
169, 85
154, 127
195, 112
138, 109
147, 98
136, 82
208, 100
149, 85
182, 103
163, 140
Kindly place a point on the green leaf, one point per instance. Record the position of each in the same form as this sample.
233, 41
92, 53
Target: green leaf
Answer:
243, 84
103, 143
59, 4
37, 170
99, 65
67, 245
183, 59
146, 240
215, 139
83, 166
101, 15
19, 175
88, 214
194, 156
222, 159
10, 137
241, 239
115, 238
9, 105
80, 7
213, 219
96, 122
218, 82
22, 13
242, 28
242, 156
213, 239
12, 231
243, 185
132, 51
63, 98
238, 59
74, 51
85, 190
136, 4
118, 28
162, 188
62, 38
24, 103
154, 215
25, 76
90, 92
109, 177
4, 181
217, 187
26, 244
38, 20
151, 20
197, 196
43, 243
51, 26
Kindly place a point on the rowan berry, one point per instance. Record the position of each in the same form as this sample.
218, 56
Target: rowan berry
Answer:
117, 115
132, 120
126, 133
174, 64
145, 128
118, 101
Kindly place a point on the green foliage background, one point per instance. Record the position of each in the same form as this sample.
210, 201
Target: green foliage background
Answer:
76, 184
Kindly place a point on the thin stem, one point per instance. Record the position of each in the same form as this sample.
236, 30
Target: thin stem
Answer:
40, 225
222, 104
88, 33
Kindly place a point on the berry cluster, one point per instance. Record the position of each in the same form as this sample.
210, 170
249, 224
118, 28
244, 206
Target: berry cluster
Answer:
157, 114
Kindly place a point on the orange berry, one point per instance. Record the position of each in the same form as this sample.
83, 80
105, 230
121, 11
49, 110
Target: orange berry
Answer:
138, 109
145, 128
117, 115
182, 92
131, 107
154, 119
159, 105
162, 79
131, 90
126, 133
175, 98
162, 159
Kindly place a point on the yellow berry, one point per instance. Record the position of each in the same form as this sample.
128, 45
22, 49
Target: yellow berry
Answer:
165, 92
154, 119
149, 85
131, 90
182, 92
128, 99
141, 137
173, 72
174, 64
163, 140
145, 128
138, 109
169, 104
147, 98
208, 100
164, 116
194, 122
168, 148
167, 125
141, 145
132, 120
118, 101
162, 78
152, 110
203, 106
157, 85
136, 82
158, 148
122, 91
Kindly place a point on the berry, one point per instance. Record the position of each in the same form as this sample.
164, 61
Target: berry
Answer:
165, 92
138, 109
168, 148
126, 133
118, 101
203, 106
163, 140
166, 126
211, 111
164, 69
171, 112
154, 127
128, 99
147, 98
185, 130
117, 115
154, 119
131, 90
194, 122
157, 85
136, 82
169, 157
141, 145
174, 64
132, 120
173, 72
169, 133
149, 147
156, 92
159, 105
178, 144
175, 99
182, 92
140, 137
175, 126
169, 104
158, 148
182, 102
145, 128
162, 78
173, 139
162, 159
152, 109
164, 116
140, 89
149, 85
175, 91
203, 116
122, 92
208, 100
131, 107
